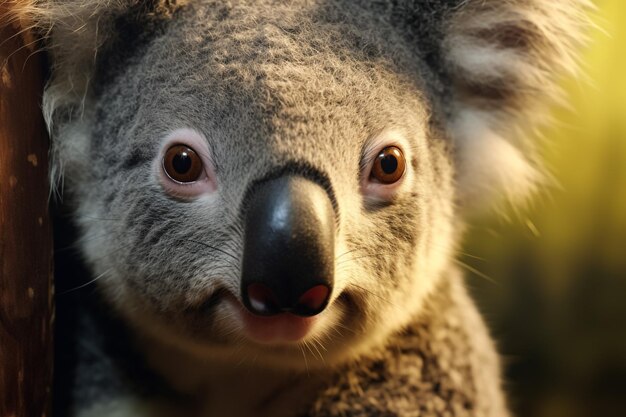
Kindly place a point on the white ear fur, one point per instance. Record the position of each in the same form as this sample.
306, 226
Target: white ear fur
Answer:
505, 59
488, 164
74, 31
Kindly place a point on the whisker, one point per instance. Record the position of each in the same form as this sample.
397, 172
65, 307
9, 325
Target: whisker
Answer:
308, 346
476, 271
336, 330
233, 264
210, 247
239, 345
471, 256
346, 253
373, 293
87, 283
306, 363
361, 257
320, 344
313, 343
343, 326
98, 218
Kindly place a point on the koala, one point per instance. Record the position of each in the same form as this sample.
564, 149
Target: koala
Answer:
268, 196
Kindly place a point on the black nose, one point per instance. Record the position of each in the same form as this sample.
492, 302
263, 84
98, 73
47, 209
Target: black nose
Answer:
288, 259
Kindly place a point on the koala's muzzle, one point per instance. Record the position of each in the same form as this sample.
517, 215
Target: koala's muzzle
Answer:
288, 259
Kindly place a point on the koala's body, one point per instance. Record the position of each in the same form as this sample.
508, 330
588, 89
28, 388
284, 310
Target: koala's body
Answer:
269, 195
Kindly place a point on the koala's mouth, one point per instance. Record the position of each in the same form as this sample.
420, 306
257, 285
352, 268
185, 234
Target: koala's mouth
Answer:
276, 329
222, 322
285, 327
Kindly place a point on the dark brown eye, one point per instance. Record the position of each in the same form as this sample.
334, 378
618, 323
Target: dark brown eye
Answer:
389, 165
182, 164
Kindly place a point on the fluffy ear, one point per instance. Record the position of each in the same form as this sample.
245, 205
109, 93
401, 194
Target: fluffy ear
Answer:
504, 58
74, 32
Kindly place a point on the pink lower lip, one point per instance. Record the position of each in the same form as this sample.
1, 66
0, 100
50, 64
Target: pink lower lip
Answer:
284, 327
280, 328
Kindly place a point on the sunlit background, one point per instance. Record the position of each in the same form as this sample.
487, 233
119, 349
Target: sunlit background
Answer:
551, 280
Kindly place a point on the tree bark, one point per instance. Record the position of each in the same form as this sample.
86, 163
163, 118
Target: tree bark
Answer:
26, 287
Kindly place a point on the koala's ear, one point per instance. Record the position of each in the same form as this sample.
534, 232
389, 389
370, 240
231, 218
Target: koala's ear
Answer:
503, 59
74, 32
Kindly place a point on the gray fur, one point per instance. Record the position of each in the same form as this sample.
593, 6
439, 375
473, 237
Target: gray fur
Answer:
302, 87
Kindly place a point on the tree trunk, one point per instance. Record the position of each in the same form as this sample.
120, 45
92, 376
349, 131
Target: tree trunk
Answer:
26, 288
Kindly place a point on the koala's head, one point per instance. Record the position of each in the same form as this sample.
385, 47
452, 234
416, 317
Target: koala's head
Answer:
261, 177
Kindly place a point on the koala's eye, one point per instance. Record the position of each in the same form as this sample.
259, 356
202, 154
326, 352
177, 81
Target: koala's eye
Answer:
182, 164
389, 165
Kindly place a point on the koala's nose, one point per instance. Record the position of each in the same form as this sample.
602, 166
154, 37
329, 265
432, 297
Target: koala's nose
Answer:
288, 259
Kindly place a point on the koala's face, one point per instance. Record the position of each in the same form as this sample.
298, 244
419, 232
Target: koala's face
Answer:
263, 185
269, 179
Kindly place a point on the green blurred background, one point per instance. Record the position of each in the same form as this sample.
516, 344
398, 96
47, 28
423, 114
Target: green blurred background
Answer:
551, 281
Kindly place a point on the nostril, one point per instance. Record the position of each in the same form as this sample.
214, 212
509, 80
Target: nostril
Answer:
261, 300
313, 301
